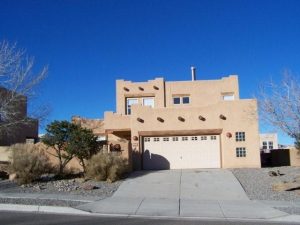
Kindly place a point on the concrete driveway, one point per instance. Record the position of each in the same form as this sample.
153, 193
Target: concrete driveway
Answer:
210, 193
209, 184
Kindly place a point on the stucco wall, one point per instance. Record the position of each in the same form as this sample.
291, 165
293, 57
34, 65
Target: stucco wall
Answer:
152, 88
201, 92
269, 137
294, 157
241, 115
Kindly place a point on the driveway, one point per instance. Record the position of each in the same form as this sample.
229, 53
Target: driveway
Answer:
200, 184
210, 193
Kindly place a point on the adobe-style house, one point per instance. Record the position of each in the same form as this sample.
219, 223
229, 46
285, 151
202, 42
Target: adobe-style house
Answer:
162, 124
15, 112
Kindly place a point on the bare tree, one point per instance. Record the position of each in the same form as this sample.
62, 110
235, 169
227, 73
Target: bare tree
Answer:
18, 83
279, 105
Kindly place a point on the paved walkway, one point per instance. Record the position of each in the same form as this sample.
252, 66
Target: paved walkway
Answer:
214, 193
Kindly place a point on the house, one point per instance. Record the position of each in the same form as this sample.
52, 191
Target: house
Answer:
162, 124
24, 129
268, 142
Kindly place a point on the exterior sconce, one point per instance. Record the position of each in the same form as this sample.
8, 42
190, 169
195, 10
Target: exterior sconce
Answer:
222, 117
125, 89
155, 87
141, 89
135, 138
201, 118
140, 120
181, 119
160, 119
228, 134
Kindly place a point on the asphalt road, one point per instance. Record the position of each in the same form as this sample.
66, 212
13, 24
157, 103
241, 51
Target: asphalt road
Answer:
18, 218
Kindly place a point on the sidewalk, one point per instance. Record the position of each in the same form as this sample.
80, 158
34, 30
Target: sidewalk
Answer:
243, 209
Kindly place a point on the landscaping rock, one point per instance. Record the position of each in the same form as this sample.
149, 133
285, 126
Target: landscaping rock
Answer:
89, 187
288, 186
258, 184
273, 174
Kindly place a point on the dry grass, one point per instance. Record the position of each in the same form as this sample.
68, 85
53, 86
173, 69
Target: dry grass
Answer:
106, 166
28, 163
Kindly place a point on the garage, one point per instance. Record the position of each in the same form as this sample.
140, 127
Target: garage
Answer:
181, 152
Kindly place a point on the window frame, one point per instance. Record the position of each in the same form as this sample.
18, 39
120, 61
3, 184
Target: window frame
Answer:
180, 99
240, 152
128, 107
185, 97
240, 136
147, 98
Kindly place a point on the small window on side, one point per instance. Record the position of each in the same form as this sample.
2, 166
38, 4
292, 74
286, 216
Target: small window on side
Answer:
228, 97
186, 100
176, 100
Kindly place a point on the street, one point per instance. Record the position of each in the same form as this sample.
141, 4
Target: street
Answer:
18, 218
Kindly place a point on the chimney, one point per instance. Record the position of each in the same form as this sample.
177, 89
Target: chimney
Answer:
193, 69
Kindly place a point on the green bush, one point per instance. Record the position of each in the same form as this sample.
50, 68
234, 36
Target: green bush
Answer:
28, 163
106, 166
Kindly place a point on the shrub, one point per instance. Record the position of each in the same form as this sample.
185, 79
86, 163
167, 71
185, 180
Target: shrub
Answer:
106, 166
28, 163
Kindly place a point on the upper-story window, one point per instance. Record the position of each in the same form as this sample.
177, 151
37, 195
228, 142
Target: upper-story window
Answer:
270, 145
148, 101
265, 145
181, 100
129, 103
185, 100
228, 97
176, 100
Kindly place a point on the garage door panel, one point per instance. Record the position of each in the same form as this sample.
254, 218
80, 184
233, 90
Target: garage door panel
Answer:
181, 152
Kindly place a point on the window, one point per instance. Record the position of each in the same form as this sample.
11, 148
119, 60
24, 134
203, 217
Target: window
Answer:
175, 138
264, 145
194, 138
176, 100
184, 138
147, 139
213, 137
270, 144
240, 152
203, 138
148, 102
165, 139
228, 97
181, 100
129, 103
185, 100
156, 139
240, 136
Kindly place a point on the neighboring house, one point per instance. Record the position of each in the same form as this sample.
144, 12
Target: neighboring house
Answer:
268, 142
24, 129
162, 124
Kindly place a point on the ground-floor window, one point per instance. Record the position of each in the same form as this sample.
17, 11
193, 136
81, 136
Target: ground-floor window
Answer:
241, 152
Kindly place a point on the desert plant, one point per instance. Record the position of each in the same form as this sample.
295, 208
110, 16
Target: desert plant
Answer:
106, 166
28, 163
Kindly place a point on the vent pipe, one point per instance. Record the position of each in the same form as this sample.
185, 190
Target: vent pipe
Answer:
193, 69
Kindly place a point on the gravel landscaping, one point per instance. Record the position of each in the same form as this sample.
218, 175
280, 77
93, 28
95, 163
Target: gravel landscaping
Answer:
258, 183
68, 187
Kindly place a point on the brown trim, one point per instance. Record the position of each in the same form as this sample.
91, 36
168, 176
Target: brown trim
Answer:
139, 95
180, 132
111, 131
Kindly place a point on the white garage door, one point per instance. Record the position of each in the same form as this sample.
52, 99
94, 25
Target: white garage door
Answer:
181, 152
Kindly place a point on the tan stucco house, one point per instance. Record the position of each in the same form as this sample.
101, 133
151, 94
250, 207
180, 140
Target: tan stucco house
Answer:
162, 124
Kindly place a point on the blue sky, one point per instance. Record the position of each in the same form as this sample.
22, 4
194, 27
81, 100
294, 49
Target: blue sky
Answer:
90, 44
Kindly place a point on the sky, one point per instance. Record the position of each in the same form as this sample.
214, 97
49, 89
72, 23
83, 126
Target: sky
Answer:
88, 44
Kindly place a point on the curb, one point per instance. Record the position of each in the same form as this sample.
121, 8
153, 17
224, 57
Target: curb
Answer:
68, 210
